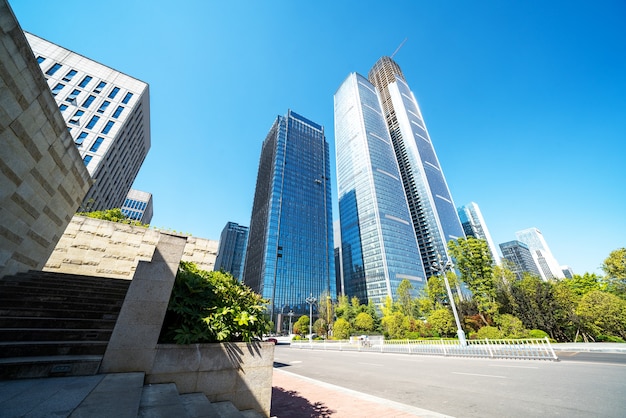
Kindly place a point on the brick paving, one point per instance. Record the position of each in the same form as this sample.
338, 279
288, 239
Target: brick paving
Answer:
296, 396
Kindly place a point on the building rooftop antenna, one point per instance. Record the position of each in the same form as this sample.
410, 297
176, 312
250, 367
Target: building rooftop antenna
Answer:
398, 48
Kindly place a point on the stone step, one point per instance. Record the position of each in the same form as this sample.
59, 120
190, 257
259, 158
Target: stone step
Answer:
52, 322
48, 366
197, 405
54, 334
66, 290
52, 275
66, 305
51, 348
161, 401
29, 311
226, 409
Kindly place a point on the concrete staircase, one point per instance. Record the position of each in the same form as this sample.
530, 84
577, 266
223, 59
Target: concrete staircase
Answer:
55, 324
119, 395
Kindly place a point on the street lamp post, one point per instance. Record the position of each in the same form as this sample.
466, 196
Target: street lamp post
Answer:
441, 269
311, 300
290, 314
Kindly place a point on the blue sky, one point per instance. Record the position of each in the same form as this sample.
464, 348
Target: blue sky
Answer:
525, 101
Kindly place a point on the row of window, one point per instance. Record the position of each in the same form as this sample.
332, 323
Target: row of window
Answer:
71, 73
135, 204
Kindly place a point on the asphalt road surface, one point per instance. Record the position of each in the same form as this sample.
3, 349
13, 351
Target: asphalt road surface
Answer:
581, 385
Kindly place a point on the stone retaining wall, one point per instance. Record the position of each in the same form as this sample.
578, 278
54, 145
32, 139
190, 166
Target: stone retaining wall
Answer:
95, 247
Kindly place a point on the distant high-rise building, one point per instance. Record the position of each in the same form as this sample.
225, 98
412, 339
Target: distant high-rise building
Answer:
138, 206
549, 267
378, 244
290, 246
231, 253
108, 115
474, 225
520, 260
433, 212
567, 272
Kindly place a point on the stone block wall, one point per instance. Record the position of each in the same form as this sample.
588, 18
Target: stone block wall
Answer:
95, 247
42, 176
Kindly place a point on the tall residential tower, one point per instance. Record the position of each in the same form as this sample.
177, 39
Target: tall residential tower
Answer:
433, 213
290, 246
108, 115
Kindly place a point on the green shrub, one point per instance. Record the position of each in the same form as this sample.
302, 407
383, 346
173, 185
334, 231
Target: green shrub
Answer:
609, 339
537, 333
492, 333
208, 307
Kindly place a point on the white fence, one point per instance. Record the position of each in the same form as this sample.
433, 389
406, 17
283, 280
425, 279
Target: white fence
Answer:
531, 349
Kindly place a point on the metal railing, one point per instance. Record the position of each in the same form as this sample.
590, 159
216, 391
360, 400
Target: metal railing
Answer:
530, 349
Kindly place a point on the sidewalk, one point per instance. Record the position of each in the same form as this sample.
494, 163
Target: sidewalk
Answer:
295, 396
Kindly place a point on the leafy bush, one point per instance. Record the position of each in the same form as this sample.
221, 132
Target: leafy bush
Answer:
537, 333
609, 339
112, 215
341, 329
511, 326
489, 332
208, 307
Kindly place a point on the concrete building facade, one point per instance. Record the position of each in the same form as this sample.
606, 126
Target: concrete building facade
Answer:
138, 206
108, 116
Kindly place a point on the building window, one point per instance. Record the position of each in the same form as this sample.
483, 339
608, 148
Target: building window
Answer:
62, 107
40, 59
92, 122
57, 89
127, 98
118, 112
87, 159
108, 127
88, 101
114, 92
72, 97
103, 106
53, 69
96, 144
81, 138
69, 75
99, 87
85, 81
76, 118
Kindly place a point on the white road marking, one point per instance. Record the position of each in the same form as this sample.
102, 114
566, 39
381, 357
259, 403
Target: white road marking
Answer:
514, 367
481, 375
295, 362
372, 364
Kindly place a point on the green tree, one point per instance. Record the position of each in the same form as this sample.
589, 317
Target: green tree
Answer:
396, 325
602, 313
615, 269
325, 307
474, 262
442, 322
344, 309
363, 322
302, 325
320, 327
405, 299
511, 327
341, 329
581, 285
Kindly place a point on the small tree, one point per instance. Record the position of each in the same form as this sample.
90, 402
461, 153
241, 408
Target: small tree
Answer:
302, 325
364, 322
341, 329
442, 322
320, 327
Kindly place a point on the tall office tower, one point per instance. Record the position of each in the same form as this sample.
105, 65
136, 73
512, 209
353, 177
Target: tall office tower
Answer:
378, 244
434, 215
474, 226
542, 255
108, 116
520, 260
290, 246
231, 253
567, 272
138, 206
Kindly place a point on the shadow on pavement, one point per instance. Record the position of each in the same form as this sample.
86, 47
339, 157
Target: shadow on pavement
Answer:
289, 404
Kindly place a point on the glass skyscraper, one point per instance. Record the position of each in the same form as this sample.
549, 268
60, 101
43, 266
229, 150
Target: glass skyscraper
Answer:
548, 266
474, 226
378, 245
232, 250
290, 253
433, 212
520, 260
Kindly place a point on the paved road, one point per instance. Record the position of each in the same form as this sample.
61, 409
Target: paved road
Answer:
472, 387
